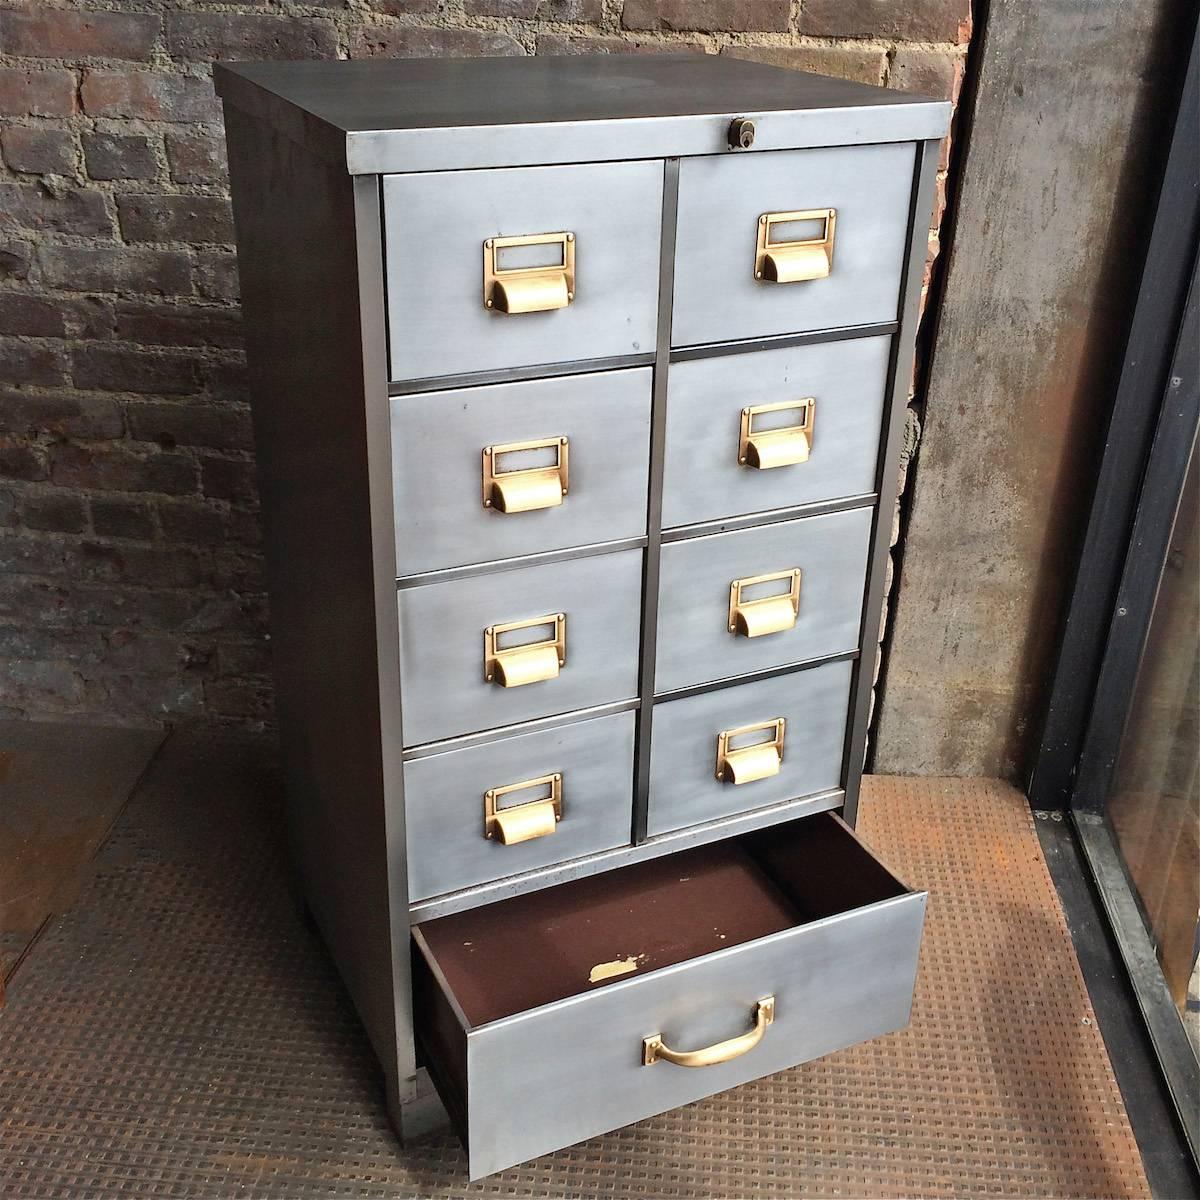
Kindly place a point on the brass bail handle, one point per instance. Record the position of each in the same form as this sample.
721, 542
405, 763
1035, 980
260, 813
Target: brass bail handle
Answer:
769, 614
785, 446
531, 662
655, 1049
523, 822
525, 489
529, 289
799, 259
751, 763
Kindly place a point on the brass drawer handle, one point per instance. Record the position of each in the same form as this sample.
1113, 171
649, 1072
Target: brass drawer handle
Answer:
799, 259
540, 288
530, 662
747, 764
523, 822
653, 1048
524, 489
786, 446
768, 614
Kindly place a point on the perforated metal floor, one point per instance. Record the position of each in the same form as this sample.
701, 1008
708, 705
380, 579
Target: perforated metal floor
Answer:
180, 1033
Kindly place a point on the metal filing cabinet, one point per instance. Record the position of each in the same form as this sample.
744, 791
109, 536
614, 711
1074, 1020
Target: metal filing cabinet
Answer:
578, 393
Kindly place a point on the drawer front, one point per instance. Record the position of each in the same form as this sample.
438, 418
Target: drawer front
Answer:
684, 789
436, 227
721, 201
442, 476
443, 646
555, 1075
705, 587
444, 804
704, 481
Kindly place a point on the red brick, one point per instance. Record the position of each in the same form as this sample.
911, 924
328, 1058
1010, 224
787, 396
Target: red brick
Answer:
57, 512
587, 12
62, 33
31, 316
859, 63
197, 158
194, 521
15, 259
154, 566
116, 269
707, 16
149, 96
404, 41
178, 325
215, 426
557, 43
217, 275
119, 156
33, 414
117, 470
116, 369
88, 317
65, 210
28, 93
34, 148
238, 698
157, 218
227, 478
244, 658
205, 37
915, 20
41, 365
397, 8
936, 73
116, 517
19, 461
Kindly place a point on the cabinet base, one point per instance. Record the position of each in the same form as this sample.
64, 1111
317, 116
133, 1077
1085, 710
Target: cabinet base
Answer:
421, 1114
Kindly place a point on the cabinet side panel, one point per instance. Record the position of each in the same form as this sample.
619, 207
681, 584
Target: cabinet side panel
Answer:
314, 340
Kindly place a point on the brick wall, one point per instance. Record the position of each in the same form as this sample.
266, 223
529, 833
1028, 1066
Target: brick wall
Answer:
131, 584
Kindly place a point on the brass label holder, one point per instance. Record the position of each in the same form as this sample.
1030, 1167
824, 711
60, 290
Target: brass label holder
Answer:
531, 662
654, 1049
523, 822
528, 289
765, 449
797, 260
525, 489
768, 614
748, 764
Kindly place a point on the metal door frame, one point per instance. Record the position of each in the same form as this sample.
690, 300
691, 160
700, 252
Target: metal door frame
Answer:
1151, 439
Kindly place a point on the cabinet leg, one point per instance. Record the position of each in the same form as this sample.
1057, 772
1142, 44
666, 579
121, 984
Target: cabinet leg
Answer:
421, 1113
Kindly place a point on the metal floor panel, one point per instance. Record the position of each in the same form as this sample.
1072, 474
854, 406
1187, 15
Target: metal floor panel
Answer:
181, 1033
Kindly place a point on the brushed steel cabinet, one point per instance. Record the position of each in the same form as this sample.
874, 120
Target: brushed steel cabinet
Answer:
703, 479
579, 390
443, 683
436, 226
684, 786
440, 464
722, 201
445, 795
725, 601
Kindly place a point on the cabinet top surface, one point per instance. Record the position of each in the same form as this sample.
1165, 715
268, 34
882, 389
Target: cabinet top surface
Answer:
389, 115
441, 93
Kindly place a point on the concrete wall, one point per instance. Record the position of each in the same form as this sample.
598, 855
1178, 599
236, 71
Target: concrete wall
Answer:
1055, 203
130, 577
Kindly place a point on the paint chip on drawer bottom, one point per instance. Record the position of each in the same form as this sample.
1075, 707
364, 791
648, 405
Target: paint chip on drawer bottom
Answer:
618, 966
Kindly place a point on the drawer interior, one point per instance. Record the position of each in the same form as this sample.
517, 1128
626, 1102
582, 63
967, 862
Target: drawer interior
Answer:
506, 958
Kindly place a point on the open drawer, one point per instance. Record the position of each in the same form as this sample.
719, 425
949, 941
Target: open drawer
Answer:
557, 1015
